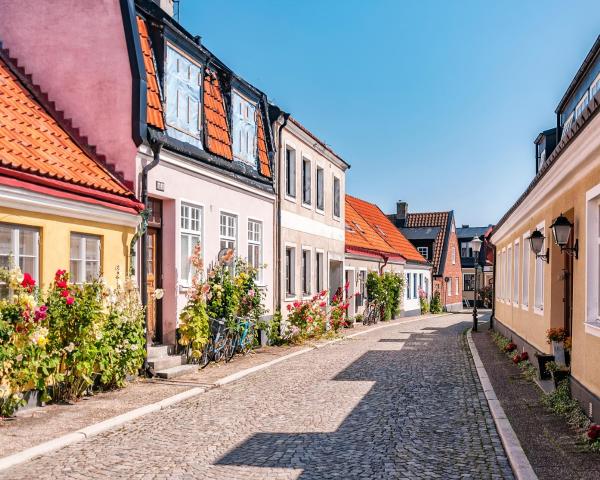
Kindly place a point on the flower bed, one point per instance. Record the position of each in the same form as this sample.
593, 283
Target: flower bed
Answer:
68, 340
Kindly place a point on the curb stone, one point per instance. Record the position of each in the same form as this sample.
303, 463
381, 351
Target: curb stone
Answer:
516, 456
96, 428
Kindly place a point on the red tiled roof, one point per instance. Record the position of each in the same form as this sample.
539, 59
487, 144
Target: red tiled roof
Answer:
219, 139
432, 219
154, 110
369, 228
263, 157
36, 149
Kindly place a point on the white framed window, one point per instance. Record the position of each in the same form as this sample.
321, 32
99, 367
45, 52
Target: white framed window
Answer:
509, 265
361, 293
456, 286
84, 257
290, 271
190, 234
320, 270
581, 105
525, 279
595, 86
306, 181
228, 228
568, 124
538, 305
415, 287
19, 246
255, 254
306, 271
424, 251
243, 116
320, 189
592, 255
453, 255
516, 259
468, 282
449, 287
337, 200
408, 289
290, 172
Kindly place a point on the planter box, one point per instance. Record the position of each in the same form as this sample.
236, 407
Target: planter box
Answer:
542, 361
559, 376
559, 353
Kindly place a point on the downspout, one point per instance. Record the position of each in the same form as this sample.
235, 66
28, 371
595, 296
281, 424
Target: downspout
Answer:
382, 266
277, 186
156, 148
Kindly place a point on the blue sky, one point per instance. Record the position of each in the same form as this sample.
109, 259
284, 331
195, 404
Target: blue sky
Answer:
433, 102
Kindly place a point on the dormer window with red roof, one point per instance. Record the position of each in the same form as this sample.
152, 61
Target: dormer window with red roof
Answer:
243, 126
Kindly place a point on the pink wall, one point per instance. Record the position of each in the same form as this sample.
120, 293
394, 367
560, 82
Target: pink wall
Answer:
76, 52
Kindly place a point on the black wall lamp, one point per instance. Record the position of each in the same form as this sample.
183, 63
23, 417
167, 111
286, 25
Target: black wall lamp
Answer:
561, 230
536, 239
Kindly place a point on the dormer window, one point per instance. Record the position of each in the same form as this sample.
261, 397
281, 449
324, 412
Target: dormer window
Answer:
183, 89
581, 105
243, 129
568, 124
595, 86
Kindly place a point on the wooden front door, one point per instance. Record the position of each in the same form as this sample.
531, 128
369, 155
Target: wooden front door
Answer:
154, 279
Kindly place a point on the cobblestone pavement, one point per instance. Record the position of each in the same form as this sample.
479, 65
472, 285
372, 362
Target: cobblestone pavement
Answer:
399, 402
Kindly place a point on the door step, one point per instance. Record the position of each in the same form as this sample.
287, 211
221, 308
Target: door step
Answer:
162, 363
159, 351
178, 371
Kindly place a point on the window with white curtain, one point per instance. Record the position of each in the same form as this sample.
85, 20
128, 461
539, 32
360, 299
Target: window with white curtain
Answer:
190, 234
449, 287
84, 258
526, 259
19, 246
255, 246
509, 262
539, 277
516, 273
592, 258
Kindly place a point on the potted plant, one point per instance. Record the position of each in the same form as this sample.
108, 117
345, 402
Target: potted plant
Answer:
558, 371
556, 337
543, 360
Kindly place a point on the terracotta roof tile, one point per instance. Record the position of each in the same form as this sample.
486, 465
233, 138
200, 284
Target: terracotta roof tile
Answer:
369, 228
431, 219
154, 110
263, 157
217, 130
33, 142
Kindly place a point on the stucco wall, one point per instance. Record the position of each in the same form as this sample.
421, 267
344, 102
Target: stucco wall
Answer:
54, 246
214, 192
561, 191
76, 52
414, 304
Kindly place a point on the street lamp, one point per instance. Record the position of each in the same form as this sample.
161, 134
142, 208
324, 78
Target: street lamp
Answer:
536, 239
561, 231
476, 246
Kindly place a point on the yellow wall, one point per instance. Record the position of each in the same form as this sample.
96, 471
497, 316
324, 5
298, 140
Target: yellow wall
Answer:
585, 361
55, 234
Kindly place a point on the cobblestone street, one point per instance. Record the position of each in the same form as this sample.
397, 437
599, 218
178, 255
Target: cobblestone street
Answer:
398, 402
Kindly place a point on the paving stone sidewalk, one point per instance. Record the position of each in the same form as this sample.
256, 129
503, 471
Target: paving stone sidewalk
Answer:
398, 402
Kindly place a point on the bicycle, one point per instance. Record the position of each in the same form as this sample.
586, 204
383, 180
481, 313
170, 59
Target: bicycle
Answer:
241, 339
371, 315
215, 348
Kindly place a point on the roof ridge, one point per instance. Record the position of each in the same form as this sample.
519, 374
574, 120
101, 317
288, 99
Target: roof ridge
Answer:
66, 123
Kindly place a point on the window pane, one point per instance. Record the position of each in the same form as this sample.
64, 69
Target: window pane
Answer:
5, 240
76, 248
74, 272
92, 248
27, 265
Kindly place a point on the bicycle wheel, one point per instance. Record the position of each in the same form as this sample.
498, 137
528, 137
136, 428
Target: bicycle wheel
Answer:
230, 346
248, 342
205, 357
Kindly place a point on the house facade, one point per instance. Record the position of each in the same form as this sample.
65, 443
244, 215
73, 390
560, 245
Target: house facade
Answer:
187, 134
434, 236
484, 261
61, 207
558, 287
311, 182
374, 244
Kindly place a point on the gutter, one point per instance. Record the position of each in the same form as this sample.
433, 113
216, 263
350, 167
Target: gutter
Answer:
156, 148
277, 187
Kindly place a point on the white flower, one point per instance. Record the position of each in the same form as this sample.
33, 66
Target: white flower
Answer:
19, 357
158, 293
134, 347
69, 348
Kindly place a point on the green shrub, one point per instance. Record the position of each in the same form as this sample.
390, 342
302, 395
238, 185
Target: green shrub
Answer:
436, 303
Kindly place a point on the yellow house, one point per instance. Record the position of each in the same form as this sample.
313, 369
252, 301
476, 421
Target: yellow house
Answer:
60, 206
559, 285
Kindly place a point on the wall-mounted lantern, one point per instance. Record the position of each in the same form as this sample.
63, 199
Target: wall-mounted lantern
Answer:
561, 230
536, 240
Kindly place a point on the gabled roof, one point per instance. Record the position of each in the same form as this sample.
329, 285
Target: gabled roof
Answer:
217, 129
470, 232
36, 149
154, 110
433, 219
367, 227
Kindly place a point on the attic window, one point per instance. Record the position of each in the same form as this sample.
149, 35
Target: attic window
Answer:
381, 232
349, 229
243, 113
358, 227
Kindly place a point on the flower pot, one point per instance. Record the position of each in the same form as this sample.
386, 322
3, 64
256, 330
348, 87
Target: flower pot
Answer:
558, 376
559, 352
542, 361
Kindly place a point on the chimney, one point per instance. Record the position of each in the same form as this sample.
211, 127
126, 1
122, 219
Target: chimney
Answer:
166, 5
401, 211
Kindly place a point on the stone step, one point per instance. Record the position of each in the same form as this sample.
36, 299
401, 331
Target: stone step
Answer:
178, 371
163, 363
159, 351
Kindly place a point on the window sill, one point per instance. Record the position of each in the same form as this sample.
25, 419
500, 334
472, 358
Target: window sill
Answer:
538, 311
308, 206
525, 307
592, 328
289, 198
516, 304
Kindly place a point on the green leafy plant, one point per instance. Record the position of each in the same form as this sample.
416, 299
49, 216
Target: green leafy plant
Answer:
436, 303
423, 301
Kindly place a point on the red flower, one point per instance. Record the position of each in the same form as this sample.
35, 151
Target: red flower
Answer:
297, 304
593, 432
28, 282
289, 307
524, 356
61, 284
60, 273
323, 304
64, 293
70, 300
516, 359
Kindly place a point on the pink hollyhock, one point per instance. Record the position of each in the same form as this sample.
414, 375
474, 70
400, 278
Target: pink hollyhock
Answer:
297, 304
64, 293
323, 304
289, 307
61, 284
251, 293
70, 300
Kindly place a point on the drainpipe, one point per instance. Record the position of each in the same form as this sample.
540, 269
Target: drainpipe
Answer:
382, 266
156, 148
277, 185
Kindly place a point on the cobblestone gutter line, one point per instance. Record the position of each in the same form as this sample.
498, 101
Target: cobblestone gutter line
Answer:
516, 456
94, 429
